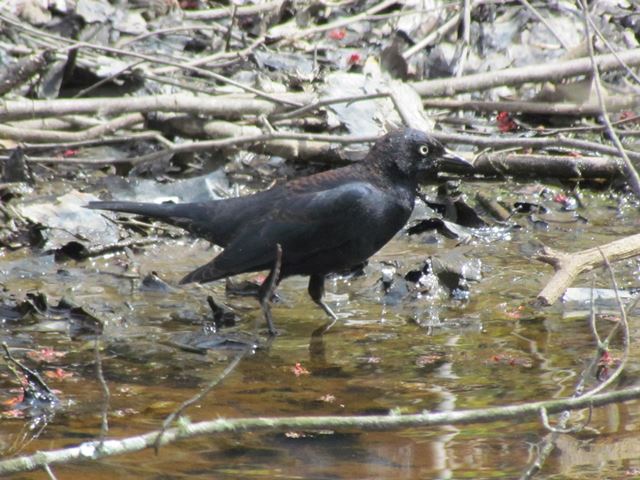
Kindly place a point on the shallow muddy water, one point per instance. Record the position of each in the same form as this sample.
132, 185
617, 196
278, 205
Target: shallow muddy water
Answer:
430, 353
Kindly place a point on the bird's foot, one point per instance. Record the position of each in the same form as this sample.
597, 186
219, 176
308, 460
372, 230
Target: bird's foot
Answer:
327, 310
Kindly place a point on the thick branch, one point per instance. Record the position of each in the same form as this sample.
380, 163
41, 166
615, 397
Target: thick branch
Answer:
569, 265
227, 106
42, 136
89, 451
533, 73
614, 104
545, 166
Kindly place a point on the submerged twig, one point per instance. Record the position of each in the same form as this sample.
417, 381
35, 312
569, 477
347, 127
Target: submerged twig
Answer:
198, 397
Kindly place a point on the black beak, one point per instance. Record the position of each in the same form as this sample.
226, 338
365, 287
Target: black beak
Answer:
452, 159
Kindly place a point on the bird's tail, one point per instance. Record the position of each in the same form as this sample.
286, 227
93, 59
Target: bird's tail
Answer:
154, 210
204, 274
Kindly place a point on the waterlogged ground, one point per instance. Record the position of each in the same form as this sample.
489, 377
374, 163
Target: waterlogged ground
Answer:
430, 353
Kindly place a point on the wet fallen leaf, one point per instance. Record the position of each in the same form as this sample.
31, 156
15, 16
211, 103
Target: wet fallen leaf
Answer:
328, 398
505, 122
47, 355
424, 360
337, 34
300, 370
58, 374
512, 361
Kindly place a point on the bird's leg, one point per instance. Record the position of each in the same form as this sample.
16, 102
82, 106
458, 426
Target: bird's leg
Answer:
316, 291
268, 288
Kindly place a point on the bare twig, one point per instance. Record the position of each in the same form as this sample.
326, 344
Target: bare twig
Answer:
632, 175
109, 78
544, 21
106, 394
625, 329
339, 23
49, 472
441, 31
157, 60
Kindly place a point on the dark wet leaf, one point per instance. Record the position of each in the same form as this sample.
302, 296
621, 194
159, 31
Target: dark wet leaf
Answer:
223, 316
154, 167
72, 250
68, 317
243, 288
293, 64
437, 65
82, 321
20, 71
529, 207
37, 399
51, 80
391, 59
153, 283
458, 211
454, 269
396, 289
538, 223
443, 227
16, 169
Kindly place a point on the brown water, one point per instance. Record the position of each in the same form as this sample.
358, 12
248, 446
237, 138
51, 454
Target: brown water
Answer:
434, 354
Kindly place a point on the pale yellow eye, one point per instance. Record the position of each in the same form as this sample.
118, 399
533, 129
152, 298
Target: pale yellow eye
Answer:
424, 150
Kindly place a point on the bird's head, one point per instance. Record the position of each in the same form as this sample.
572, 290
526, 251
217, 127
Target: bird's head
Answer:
408, 151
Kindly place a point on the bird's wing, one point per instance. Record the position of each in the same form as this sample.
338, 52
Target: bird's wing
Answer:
303, 225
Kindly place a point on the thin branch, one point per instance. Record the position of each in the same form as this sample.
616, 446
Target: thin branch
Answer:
549, 442
156, 60
106, 394
632, 175
339, 23
626, 333
544, 21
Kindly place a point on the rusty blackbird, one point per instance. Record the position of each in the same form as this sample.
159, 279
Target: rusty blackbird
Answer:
315, 225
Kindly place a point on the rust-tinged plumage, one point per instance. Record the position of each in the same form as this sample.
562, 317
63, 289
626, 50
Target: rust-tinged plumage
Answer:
324, 223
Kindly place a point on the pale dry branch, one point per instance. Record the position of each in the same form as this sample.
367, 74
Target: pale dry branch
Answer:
546, 166
44, 136
613, 104
568, 266
223, 106
533, 73
88, 451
